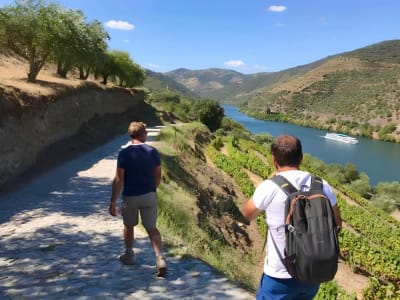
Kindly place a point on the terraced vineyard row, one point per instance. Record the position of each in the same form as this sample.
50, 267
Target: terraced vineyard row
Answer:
371, 243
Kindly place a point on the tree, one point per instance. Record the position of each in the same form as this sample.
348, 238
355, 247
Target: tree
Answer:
209, 112
361, 186
350, 173
30, 29
105, 66
94, 45
69, 41
389, 191
126, 73
119, 66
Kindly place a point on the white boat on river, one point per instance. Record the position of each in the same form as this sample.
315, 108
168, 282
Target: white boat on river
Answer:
340, 137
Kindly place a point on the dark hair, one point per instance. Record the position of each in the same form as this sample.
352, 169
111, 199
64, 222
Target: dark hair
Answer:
287, 151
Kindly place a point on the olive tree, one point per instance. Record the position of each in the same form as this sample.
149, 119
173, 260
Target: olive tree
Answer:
119, 66
93, 46
29, 29
69, 41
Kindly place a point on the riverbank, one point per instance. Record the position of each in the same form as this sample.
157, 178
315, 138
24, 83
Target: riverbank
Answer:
379, 160
384, 133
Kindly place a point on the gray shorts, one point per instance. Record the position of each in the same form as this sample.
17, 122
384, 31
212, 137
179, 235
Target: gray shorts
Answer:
145, 204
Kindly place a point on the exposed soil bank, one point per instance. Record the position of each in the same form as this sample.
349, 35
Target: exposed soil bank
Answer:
43, 131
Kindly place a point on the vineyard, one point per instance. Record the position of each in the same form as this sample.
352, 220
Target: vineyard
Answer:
369, 241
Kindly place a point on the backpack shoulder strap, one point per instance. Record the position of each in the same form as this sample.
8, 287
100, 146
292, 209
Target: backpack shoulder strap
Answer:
284, 184
316, 183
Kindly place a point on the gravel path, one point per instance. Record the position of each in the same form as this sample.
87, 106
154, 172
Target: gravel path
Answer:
57, 241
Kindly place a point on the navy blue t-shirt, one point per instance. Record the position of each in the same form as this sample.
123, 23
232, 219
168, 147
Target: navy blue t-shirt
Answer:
139, 162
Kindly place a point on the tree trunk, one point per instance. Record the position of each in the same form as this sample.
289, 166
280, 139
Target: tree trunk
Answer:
105, 77
34, 69
81, 73
35, 65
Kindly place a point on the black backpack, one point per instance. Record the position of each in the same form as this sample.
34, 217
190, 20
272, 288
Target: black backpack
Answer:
312, 248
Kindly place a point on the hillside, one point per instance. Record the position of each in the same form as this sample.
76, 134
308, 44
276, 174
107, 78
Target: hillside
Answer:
159, 82
356, 92
200, 202
228, 85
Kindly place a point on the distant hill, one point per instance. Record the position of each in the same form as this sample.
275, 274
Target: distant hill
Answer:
355, 92
160, 82
205, 82
230, 86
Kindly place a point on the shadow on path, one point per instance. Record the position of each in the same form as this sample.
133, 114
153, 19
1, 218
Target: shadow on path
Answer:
59, 242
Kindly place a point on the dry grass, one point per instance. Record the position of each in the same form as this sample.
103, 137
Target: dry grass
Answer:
13, 74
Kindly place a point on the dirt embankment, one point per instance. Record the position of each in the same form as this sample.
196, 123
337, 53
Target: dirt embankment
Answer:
30, 124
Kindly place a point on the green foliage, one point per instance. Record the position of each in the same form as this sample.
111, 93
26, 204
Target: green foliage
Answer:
377, 290
30, 29
263, 138
206, 111
93, 42
210, 113
329, 290
361, 186
40, 33
385, 131
350, 173
179, 212
170, 102
119, 66
369, 245
386, 51
180, 136
228, 124
387, 196
217, 143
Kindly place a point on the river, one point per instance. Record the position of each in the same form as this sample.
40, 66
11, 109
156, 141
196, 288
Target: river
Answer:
379, 160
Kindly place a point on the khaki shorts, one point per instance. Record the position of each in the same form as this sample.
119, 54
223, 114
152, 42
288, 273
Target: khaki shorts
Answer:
145, 204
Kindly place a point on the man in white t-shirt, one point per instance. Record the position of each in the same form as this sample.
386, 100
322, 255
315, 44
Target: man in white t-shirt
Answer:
276, 283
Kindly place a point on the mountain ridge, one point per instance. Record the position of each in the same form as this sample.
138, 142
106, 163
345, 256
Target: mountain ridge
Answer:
354, 92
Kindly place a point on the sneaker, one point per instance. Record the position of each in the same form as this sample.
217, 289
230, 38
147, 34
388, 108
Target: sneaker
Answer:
161, 266
127, 258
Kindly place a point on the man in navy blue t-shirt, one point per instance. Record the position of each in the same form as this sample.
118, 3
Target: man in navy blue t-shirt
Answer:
138, 176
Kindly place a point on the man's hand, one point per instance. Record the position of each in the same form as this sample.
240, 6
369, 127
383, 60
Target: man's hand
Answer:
113, 209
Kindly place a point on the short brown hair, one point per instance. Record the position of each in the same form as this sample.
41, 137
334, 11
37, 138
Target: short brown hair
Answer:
136, 129
287, 151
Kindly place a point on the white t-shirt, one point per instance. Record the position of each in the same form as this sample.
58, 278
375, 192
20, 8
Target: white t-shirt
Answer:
271, 199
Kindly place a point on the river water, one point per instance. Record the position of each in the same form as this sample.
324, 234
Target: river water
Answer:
379, 160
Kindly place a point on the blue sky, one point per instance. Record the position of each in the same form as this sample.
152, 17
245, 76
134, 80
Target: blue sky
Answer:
248, 36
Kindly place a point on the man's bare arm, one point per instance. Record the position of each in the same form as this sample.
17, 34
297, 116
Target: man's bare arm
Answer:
249, 210
117, 186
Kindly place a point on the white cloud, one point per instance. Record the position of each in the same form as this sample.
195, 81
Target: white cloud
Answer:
277, 8
126, 41
121, 25
234, 63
